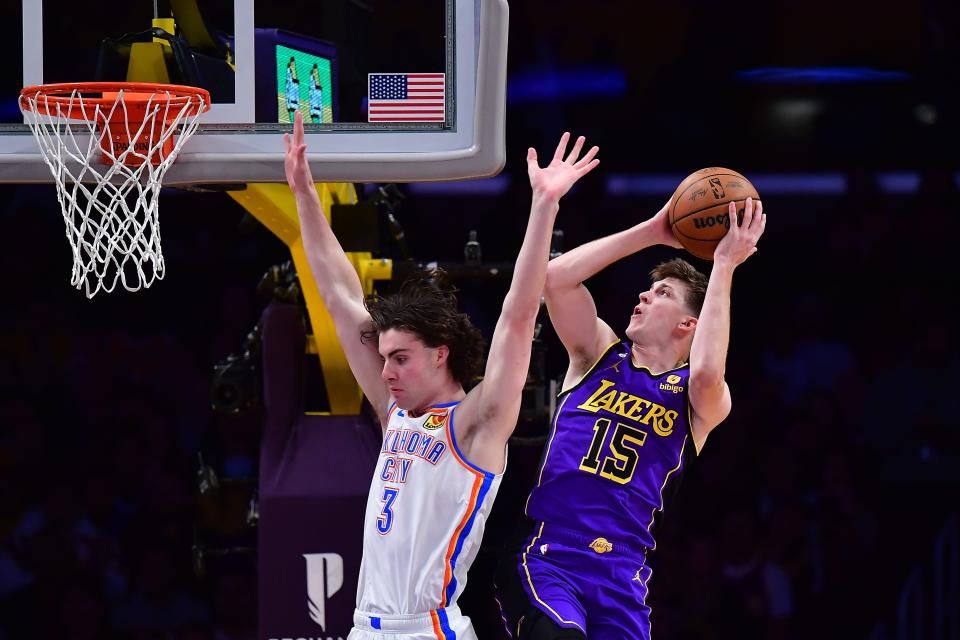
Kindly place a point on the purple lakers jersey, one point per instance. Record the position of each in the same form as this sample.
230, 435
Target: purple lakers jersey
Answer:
619, 437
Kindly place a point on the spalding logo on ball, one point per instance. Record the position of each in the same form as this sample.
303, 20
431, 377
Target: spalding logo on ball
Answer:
699, 212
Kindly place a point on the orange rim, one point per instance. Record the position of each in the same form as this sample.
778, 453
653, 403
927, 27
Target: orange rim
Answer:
137, 95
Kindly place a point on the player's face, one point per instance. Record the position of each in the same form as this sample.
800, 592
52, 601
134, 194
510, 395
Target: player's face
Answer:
658, 311
412, 370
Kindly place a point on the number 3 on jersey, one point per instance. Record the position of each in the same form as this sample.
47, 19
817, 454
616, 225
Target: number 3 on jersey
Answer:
623, 463
385, 519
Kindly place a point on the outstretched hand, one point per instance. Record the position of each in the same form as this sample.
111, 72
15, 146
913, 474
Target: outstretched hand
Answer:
295, 161
740, 242
556, 179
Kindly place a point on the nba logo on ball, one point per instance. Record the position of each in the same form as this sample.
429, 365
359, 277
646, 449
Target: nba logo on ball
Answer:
324, 578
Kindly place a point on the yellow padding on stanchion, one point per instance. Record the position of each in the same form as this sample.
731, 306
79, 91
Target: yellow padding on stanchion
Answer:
274, 205
168, 25
147, 63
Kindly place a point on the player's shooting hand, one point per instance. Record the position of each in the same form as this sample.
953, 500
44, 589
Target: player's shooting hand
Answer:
660, 224
740, 242
557, 178
295, 161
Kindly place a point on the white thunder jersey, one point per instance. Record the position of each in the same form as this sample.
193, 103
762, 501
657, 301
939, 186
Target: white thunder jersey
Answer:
426, 512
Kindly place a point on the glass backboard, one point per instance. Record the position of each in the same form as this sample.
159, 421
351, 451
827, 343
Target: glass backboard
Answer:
390, 90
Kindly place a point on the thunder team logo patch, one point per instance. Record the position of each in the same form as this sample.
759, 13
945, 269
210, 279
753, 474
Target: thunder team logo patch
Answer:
435, 421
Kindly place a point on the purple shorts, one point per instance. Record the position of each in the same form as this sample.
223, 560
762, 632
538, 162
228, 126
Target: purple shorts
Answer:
596, 585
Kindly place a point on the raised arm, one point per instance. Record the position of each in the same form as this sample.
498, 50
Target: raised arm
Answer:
488, 415
709, 393
571, 307
337, 280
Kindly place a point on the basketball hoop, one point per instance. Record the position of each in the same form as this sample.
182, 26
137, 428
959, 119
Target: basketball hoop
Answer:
135, 130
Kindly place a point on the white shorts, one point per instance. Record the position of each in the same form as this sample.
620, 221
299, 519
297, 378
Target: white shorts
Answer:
439, 624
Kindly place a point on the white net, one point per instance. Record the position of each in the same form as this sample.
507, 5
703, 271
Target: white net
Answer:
108, 161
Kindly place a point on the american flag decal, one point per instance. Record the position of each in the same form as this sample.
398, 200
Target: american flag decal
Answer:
406, 97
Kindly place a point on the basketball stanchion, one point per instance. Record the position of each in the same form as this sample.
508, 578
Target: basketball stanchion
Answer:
108, 145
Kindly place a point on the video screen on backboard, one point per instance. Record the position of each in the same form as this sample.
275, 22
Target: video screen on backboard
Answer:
312, 96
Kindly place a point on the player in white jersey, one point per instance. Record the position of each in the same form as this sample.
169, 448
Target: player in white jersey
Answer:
444, 450
425, 499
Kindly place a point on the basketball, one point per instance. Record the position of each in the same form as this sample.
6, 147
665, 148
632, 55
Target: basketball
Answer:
699, 207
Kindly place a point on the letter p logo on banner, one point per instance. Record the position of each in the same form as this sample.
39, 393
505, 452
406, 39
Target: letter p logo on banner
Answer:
324, 578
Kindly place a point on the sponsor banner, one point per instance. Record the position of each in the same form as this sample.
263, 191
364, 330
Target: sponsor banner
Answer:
314, 477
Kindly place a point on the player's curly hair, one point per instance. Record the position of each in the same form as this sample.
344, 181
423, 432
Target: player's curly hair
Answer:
426, 305
684, 272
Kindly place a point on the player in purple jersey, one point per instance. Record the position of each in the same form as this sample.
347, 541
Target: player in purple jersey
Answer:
630, 413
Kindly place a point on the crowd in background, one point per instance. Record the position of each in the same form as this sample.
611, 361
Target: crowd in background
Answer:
806, 509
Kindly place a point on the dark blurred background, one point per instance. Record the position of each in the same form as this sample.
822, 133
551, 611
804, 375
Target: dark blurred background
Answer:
809, 509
